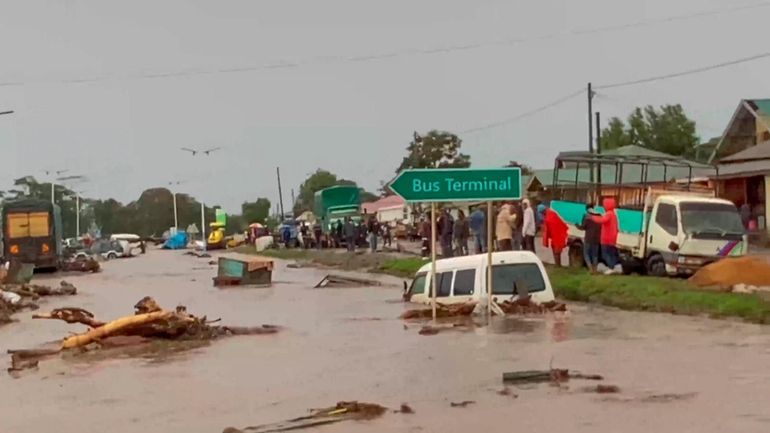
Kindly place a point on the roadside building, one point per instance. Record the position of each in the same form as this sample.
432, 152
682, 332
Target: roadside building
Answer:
749, 126
744, 177
742, 157
390, 209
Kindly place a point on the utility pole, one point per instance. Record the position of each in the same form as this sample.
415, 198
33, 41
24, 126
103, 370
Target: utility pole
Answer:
77, 213
590, 128
280, 192
599, 152
293, 202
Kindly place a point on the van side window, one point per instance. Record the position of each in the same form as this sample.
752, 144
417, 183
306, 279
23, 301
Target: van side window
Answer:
464, 282
666, 218
418, 285
444, 284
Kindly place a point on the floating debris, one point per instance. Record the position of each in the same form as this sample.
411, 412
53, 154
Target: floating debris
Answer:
465, 403
442, 311
342, 411
150, 321
526, 306
89, 264
18, 297
333, 280
553, 375
603, 389
405, 409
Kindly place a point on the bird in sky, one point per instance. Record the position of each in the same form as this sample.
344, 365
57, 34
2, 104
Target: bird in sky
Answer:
196, 151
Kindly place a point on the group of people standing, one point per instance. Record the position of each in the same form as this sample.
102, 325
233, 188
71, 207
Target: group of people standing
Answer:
515, 227
353, 235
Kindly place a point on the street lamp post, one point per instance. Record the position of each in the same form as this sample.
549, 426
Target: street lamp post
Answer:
173, 197
206, 152
64, 181
53, 184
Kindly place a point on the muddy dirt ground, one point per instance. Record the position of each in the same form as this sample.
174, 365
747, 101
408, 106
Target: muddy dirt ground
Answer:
675, 373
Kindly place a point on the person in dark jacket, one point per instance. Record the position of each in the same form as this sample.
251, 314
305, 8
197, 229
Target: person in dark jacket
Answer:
350, 231
446, 229
591, 238
338, 234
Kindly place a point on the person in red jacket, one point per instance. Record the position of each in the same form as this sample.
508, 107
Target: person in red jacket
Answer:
609, 238
554, 234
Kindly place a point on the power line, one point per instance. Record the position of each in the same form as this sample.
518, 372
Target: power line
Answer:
621, 84
319, 60
556, 102
686, 72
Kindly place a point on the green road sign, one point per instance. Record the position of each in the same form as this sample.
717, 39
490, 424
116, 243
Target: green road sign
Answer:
462, 184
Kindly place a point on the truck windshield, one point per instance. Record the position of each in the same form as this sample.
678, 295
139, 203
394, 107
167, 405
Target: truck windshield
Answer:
710, 219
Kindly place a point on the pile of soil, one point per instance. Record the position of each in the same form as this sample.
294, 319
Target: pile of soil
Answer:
726, 273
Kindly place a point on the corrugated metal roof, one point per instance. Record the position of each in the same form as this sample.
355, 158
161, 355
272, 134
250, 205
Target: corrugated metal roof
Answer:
634, 150
760, 151
746, 168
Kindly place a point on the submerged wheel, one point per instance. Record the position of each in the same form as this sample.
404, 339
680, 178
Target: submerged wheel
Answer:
575, 255
656, 266
112, 256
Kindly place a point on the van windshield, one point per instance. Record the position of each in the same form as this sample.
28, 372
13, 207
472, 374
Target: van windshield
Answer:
521, 275
702, 219
418, 285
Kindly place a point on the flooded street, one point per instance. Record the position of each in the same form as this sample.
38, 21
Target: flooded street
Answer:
675, 373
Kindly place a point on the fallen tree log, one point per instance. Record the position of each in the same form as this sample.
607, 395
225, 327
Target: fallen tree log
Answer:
115, 327
71, 315
150, 321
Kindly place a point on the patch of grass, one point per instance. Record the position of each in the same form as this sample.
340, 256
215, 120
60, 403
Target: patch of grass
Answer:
669, 295
401, 267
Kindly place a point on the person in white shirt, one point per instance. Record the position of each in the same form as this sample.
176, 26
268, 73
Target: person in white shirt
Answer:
528, 228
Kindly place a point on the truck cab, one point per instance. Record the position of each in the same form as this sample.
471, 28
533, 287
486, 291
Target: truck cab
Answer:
685, 233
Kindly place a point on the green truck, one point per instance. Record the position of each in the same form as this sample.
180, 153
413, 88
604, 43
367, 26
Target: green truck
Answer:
337, 203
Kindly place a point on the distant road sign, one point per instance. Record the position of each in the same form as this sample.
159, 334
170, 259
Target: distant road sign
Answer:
464, 184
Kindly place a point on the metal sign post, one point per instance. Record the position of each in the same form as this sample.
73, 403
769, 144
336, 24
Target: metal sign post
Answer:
490, 239
433, 257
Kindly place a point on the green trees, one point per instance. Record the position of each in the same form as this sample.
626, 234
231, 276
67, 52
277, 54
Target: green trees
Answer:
437, 149
667, 130
256, 211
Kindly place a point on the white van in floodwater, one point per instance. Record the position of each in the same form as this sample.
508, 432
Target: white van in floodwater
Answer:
463, 279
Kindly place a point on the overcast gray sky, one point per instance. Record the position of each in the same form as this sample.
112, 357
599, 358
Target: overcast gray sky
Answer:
81, 76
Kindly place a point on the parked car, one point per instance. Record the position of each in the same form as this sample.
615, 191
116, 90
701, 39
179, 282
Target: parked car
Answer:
108, 249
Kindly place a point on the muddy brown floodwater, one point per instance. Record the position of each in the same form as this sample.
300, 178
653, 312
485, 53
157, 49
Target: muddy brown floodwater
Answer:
677, 374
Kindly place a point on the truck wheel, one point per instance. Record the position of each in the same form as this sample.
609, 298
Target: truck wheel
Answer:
656, 266
112, 256
575, 255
